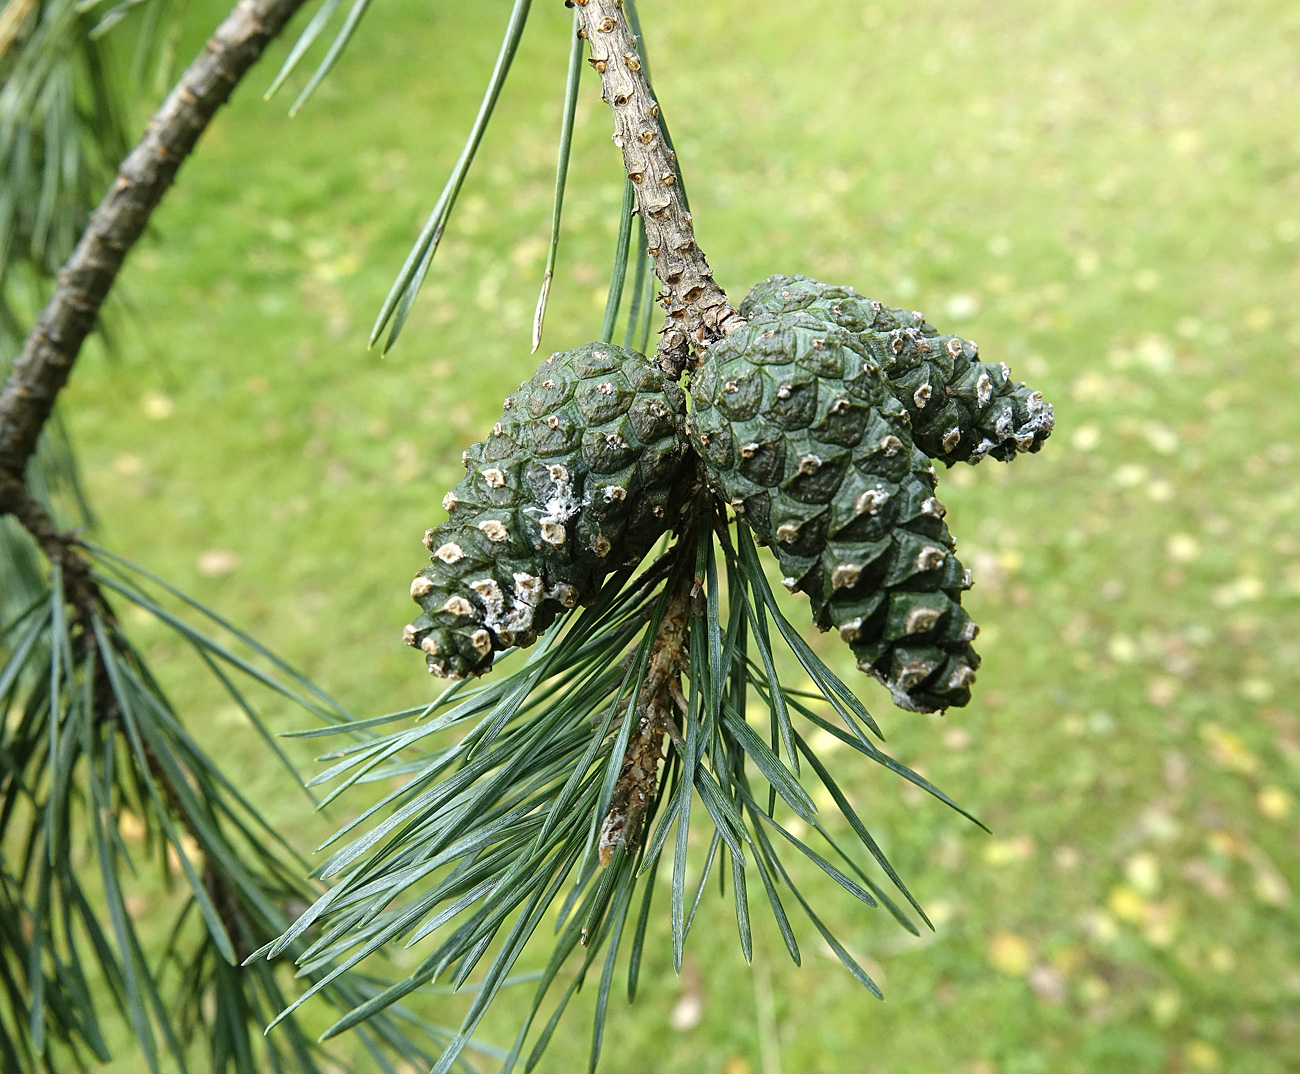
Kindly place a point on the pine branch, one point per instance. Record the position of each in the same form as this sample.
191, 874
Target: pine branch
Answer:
82, 591
93, 720
93, 745
698, 311
143, 177
41, 371
658, 699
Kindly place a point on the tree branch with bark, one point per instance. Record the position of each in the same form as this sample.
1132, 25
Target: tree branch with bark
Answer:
47, 358
698, 311
699, 315
54, 344
659, 698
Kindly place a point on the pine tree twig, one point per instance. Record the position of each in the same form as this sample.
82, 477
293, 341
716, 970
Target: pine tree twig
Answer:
226, 901
636, 786
42, 369
698, 311
82, 591
87, 599
143, 177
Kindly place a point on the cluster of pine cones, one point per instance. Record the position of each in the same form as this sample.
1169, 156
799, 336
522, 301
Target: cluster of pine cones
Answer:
816, 421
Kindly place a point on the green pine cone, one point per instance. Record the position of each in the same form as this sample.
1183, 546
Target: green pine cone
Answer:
961, 409
799, 430
577, 479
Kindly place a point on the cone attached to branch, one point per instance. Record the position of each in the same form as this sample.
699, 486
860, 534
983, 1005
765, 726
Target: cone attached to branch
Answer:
577, 479
800, 431
960, 409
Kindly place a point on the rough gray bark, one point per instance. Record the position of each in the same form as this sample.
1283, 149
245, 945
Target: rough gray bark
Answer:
698, 311
143, 177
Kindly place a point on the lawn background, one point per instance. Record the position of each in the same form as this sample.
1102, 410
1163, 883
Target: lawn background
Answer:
1105, 195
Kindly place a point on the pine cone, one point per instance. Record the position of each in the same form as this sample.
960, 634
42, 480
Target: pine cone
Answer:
961, 409
799, 430
576, 480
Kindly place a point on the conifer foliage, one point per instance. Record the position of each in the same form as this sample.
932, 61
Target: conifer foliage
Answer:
610, 546
104, 792
806, 421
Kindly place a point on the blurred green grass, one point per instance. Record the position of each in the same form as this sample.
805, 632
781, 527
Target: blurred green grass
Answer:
1107, 196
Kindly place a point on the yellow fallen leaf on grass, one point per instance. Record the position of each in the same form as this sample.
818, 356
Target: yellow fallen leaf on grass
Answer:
1221, 959
1246, 588
1158, 921
130, 826
1202, 1055
1085, 438
192, 851
1164, 1006
1270, 886
1126, 904
1099, 926
1229, 749
217, 562
157, 406
1010, 953
1143, 872
1274, 803
1006, 851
